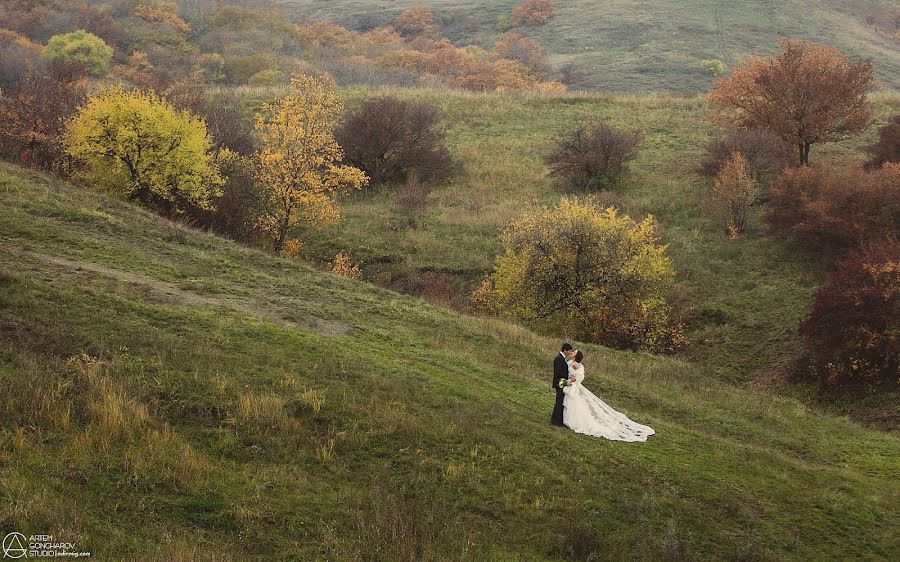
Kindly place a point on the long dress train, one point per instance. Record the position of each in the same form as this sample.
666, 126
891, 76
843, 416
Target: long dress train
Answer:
584, 412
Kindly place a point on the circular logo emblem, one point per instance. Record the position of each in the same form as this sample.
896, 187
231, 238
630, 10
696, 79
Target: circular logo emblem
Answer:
14, 545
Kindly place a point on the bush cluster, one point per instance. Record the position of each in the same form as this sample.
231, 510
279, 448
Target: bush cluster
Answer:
852, 334
850, 217
834, 210
533, 12
389, 139
766, 154
593, 156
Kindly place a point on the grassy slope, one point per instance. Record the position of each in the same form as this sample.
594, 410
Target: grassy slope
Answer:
436, 423
746, 296
640, 46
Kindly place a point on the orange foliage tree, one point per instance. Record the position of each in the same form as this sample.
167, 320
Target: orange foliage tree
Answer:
415, 21
515, 46
807, 94
17, 54
533, 12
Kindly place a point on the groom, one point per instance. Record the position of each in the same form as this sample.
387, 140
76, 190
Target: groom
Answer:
560, 372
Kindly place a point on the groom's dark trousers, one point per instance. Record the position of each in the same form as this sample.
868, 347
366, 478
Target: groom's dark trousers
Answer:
560, 372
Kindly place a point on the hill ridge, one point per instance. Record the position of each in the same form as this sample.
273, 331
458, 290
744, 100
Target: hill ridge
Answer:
637, 46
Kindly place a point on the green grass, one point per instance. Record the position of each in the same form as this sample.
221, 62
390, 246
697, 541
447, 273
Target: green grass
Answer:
163, 400
744, 297
639, 46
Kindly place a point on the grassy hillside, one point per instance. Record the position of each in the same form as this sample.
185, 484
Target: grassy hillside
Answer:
169, 395
744, 297
640, 45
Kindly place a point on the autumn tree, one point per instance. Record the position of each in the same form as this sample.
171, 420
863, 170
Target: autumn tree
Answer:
209, 67
852, 335
767, 155
533, 12
734, 192
165, 13
415, 21
593, 155
136, 144
299, 162
593, 271
17, 55
33, 113
887, 148
806, 94
524, 49
80, 47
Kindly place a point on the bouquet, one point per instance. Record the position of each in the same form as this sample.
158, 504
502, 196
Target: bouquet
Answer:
566, 382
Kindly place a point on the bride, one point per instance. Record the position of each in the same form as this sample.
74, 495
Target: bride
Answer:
583, 412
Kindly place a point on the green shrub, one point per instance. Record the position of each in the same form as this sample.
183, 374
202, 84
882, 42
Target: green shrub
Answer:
80, 47
713, 67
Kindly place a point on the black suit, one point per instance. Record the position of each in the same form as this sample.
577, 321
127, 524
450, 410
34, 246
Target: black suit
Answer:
560, 372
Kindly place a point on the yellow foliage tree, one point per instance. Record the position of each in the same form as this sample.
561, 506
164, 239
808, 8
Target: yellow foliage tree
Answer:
734, 191
299, 160
137, 145
591, 271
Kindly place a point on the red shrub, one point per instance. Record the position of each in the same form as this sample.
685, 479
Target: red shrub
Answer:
834, 210
853, 332
33, 114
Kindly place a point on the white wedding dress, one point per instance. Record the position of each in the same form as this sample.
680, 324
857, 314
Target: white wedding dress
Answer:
583, 412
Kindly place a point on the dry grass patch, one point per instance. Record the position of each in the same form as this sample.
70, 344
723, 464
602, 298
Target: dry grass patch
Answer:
313, 400
263, 416
164, 456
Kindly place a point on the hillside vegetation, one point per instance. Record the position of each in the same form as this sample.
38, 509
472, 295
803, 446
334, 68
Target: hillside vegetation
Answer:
170, 395
744, 297
641, 46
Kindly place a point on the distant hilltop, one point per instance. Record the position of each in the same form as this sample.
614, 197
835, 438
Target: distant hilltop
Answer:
647, 45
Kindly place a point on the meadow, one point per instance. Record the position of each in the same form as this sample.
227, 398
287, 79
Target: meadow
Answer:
170, 395
644, 47
742, 298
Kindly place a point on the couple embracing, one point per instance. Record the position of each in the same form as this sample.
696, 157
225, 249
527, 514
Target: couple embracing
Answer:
580, 410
